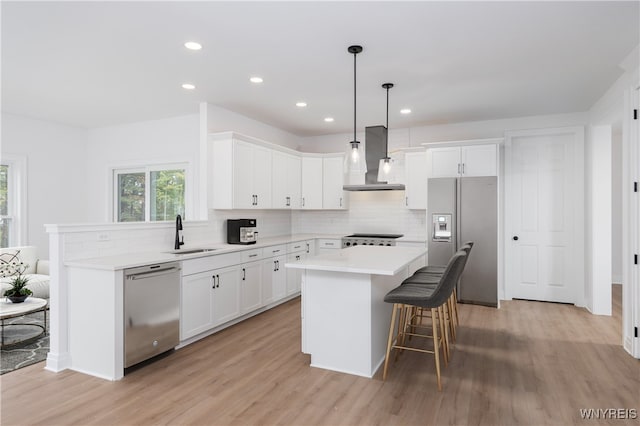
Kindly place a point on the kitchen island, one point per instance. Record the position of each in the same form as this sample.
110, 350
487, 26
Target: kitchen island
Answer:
345, 321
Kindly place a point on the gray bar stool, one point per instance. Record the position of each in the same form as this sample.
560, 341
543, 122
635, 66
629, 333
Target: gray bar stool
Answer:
407, 297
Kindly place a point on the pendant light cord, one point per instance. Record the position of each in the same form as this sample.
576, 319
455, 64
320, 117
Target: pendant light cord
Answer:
386, 145
354, 97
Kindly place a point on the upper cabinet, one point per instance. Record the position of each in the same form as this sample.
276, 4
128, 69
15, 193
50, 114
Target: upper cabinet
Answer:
246, 173
322, 181
415, 168
241, 175
286, 177
311, 183
463, 161
333, 196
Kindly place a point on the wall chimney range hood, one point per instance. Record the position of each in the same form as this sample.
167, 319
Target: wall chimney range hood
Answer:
375, 139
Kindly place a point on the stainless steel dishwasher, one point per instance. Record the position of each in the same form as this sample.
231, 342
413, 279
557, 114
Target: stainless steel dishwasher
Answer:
151, 311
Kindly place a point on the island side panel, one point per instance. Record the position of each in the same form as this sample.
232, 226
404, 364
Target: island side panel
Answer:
96, 322
381, 315
337, 320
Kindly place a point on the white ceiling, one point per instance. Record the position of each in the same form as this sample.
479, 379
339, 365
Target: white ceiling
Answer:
93, 64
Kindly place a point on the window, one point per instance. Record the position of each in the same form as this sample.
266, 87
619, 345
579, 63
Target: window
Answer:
12, 200
5, 204
152, 193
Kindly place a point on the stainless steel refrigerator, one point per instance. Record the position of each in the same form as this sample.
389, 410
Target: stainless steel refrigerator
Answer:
460, 210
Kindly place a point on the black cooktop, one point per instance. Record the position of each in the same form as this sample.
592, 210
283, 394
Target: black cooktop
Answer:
387, 236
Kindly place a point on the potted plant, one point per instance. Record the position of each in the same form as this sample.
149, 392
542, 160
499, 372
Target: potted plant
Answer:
15, 268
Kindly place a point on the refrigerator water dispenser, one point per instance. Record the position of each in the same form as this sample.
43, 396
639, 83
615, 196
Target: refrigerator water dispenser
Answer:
441, 227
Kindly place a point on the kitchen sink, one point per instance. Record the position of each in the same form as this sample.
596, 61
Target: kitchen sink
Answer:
191, 251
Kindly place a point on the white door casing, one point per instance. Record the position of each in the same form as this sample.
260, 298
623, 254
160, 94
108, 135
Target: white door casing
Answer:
544, 202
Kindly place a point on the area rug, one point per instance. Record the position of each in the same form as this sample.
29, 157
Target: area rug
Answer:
21, 355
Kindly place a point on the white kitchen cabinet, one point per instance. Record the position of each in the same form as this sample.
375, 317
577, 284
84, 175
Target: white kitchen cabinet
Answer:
196, 313
226, 295
415, 166
312, 183
328, 245
333, 196
274, 276
274, 279
479, 160
286, 181
209, 298
463, 161
250, 286
240, 175
297, 252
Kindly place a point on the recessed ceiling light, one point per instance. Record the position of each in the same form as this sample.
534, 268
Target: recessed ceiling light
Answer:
405, 111
256, 80
329, 119
188, 86
192, 45
301, 104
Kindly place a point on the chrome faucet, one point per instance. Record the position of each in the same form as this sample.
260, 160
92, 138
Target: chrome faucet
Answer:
179, 241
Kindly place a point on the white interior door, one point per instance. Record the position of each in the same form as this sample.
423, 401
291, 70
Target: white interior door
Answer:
543, 246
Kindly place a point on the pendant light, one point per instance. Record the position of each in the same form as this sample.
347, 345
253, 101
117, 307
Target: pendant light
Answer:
354, 160
384, 167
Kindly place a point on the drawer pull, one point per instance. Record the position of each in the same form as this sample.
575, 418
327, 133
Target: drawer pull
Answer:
252, 255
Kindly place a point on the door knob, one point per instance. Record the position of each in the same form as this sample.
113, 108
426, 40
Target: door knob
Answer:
515, 238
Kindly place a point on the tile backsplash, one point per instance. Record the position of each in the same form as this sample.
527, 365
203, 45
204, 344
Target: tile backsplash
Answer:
380, 212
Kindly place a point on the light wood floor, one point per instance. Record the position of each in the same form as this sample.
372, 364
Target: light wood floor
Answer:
528, 363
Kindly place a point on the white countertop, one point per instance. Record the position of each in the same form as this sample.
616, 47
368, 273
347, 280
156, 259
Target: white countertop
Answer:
132, 260
363, 260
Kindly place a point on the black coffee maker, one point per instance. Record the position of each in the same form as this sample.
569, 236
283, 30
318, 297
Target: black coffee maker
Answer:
241, 231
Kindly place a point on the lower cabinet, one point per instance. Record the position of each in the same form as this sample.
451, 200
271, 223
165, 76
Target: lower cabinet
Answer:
219, 289
294, 276
274, 279
209, 298
250, 286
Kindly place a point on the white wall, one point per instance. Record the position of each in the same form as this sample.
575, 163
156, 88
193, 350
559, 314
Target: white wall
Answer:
414, 136
616, 206
598, 220
223, 120
159, 141
56, 173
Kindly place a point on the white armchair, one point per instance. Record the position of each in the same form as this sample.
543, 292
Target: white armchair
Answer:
37, 270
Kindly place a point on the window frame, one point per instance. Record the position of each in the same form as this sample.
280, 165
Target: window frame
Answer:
16, 198
147, 169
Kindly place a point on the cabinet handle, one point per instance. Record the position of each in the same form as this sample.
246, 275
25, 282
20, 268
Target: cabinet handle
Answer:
463, 168
244, 274
275, 267
288, 201
307, 247
297, 257
278, 263
458, 168
213, 278
256, 200
406, 201
252, 255
296, 247
276, 251
340, 201
218, 278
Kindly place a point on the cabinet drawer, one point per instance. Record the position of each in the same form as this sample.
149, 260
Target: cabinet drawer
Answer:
274, 250
251, 255
325, 243
296, 247
201, 264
